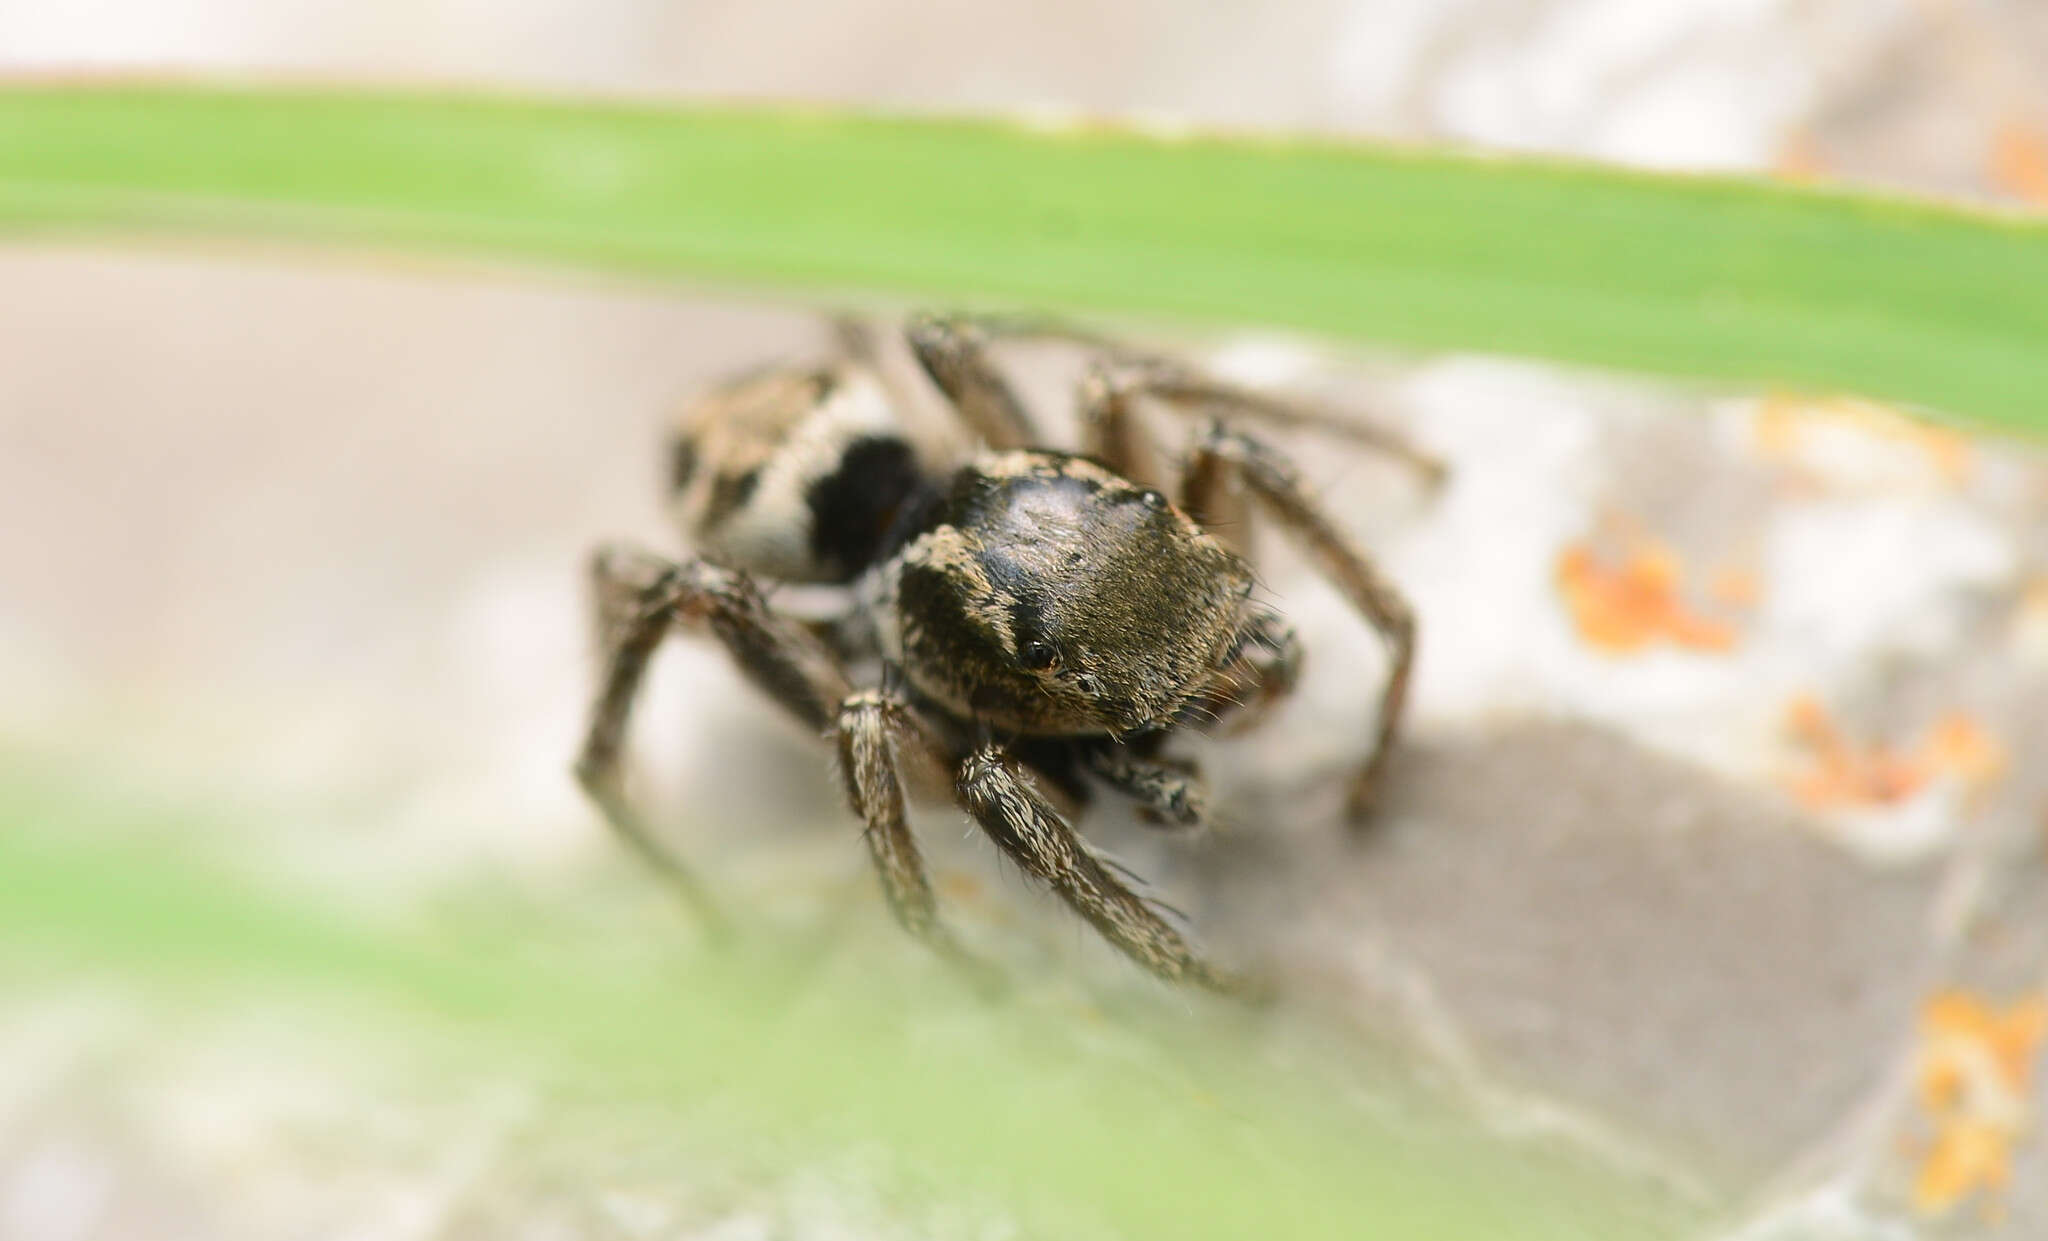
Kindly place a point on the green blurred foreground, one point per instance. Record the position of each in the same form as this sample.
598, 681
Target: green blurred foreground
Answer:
1706, 278
1164, 1122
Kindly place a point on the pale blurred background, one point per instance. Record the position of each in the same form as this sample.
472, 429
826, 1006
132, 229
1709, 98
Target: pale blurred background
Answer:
301, 535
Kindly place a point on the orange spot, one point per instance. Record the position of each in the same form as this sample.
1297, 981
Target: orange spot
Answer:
1790, 428
1844, 775
2019, 162
1974, 1073
1961, 745
1625, 606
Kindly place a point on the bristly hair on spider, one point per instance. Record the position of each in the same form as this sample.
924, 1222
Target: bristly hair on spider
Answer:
1057, 600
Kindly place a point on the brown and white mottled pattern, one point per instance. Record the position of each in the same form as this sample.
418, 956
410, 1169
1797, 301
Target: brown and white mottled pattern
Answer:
745, 457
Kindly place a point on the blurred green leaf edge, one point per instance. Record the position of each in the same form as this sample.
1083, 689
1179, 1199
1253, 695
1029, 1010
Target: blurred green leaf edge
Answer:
1723, 280
1158, 1122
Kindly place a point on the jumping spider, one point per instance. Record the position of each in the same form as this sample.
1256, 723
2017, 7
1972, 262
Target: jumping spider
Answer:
1042, 620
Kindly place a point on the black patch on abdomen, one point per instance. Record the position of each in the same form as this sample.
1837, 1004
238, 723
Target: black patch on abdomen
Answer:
853, 507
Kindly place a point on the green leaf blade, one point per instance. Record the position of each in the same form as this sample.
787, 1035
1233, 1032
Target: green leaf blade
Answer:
1708, 279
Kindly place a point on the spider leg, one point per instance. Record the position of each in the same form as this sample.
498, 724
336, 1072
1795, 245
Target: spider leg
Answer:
1168, 794
997, 791
874, 728
616, 589
1037, 325
1272, 479
1189, 392
640, 597
954, 352
1213, 494
1111, 430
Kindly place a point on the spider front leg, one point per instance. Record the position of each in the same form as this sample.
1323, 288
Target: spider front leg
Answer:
640, 597
874, 729
1273, 481
998, 792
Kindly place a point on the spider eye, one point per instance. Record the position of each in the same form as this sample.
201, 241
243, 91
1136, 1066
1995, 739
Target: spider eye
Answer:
1152, 499
1037, 656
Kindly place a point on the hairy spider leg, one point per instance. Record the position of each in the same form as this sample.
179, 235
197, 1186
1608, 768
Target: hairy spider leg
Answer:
873, 729
997, 791
781, 658
1274, 482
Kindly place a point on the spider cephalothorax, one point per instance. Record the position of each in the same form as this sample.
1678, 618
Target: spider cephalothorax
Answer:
1035, 594
1052, 597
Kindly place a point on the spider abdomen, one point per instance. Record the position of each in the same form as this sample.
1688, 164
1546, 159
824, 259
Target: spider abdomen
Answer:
794, 475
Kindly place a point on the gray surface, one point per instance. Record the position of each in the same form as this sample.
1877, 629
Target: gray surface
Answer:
1609, 926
